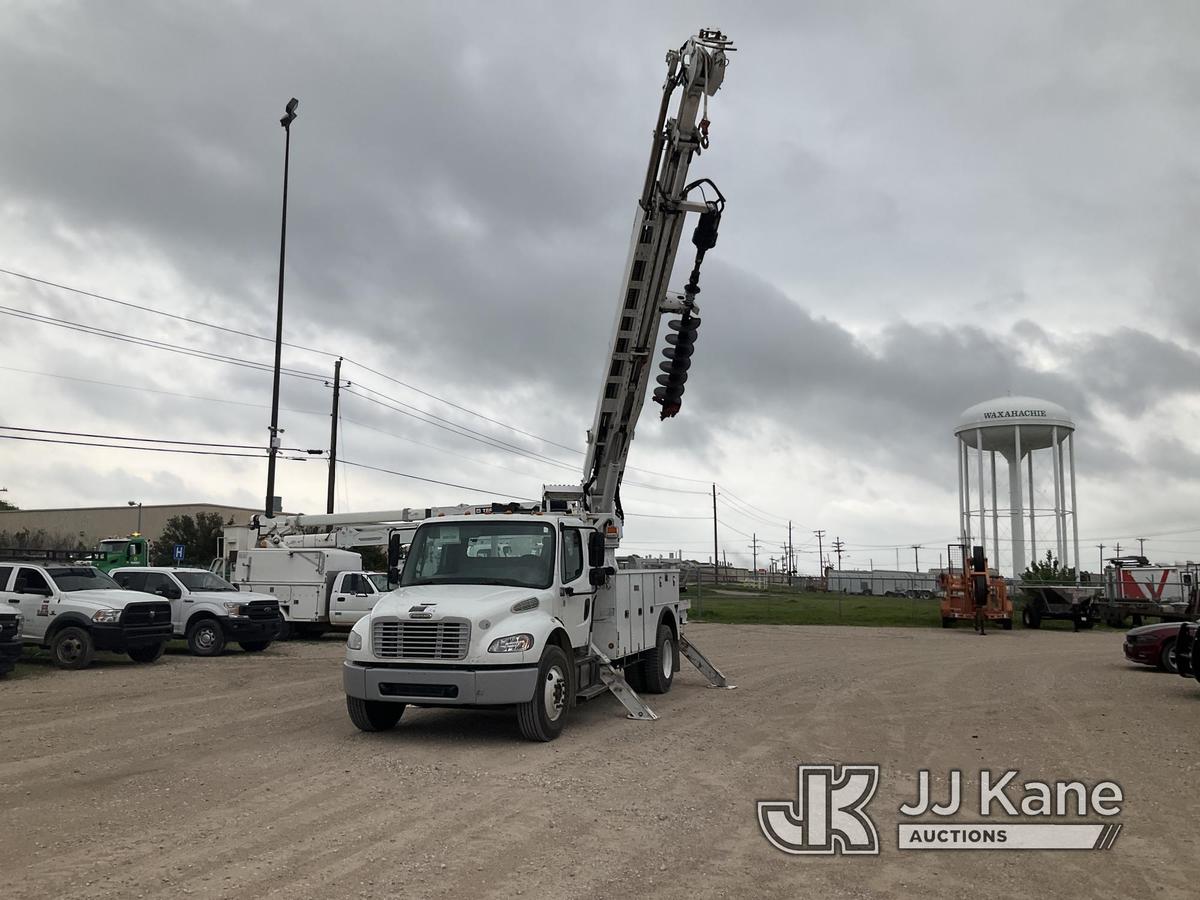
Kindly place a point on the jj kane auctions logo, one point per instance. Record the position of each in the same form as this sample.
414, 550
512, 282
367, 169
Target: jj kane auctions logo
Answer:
829, 815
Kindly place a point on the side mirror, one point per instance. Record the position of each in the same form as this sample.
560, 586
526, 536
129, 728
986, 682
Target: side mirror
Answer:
169, 593
598, 575
393, 558
596, 548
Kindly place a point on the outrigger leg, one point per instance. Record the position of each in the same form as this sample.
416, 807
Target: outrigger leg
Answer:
700, 661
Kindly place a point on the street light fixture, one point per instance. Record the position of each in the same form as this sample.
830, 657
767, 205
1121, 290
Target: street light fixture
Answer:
138, 504
286, 122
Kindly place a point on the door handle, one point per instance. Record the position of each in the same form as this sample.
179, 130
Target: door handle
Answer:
340, 600
14, 601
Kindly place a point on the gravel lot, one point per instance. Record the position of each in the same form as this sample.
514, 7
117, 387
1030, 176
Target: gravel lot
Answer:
243, 777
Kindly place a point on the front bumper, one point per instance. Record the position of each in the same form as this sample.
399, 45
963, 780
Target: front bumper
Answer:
440, 685
121, 638
1141, 653
10, 652
242, 628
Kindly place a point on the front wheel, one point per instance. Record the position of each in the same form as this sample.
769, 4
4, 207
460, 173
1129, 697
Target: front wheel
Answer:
373, 715
72, 648
1166, 658
658, 668
147, 654
206, 638
544, 715
254, 646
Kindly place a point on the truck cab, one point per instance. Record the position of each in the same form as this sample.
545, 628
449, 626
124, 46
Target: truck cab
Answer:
513, 611
206, 610
111, 553
75, 610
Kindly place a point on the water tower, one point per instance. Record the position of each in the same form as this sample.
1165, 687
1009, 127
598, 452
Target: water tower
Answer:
1018, 429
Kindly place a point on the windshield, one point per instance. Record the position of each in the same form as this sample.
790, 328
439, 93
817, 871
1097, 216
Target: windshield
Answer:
203, 581
81, 578
113, 546
520, 554
379, 579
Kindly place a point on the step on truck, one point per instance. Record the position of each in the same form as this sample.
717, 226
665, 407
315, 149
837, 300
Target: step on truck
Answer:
74, 610
523, 606
206, 610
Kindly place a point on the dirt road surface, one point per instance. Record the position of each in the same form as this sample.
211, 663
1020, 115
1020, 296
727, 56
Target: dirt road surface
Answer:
242, 777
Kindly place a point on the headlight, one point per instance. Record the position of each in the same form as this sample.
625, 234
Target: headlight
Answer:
354, 642
513, 643
107, 616
234, 609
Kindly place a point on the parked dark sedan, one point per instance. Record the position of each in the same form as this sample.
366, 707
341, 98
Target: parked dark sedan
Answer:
1153, 645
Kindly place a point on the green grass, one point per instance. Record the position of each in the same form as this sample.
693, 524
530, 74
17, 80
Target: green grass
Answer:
783, 607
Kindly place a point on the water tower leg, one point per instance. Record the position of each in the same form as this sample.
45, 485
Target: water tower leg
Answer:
1074, 508
962, 530
982, 493
1056, 459
995, 518
1033, 555
965, 464
1014, 501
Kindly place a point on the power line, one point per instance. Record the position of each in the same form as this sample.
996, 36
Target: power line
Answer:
461, 487
117, 437
18, 437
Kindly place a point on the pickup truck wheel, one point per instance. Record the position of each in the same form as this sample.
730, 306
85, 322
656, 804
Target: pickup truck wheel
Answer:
147, 654
658, 666
1166, 657
254, 646
1030, 618
205, 638
373, 715
544, 715
72, 648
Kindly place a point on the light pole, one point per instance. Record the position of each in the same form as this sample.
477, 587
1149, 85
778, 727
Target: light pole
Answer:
138, 504
286, 122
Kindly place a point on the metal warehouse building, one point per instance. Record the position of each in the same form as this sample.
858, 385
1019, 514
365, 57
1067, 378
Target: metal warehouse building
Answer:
90, 524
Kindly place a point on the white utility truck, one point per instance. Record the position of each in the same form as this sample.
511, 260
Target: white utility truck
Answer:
76, 610
206, 610
523, 607
317, 578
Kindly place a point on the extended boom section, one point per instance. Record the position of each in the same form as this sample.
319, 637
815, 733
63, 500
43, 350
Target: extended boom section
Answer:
694, 73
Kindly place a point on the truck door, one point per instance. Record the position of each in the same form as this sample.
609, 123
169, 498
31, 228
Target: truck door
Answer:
163, 585
352, 598
576, 596
35, 600
9, 600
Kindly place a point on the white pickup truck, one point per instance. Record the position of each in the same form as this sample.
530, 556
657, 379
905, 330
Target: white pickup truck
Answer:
207, 610
76, 610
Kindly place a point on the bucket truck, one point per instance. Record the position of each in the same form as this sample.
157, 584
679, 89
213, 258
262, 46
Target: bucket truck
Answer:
523, 606
317, 578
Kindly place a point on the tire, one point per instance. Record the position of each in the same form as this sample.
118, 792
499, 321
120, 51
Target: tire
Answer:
658, 666
544, 715
1166, 657
947, 622
147, 654
205, 637
1006, 624
72, 648
373, 715
1030, 618
254, 646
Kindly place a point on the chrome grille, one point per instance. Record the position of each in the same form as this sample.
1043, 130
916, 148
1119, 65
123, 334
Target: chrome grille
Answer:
394, 639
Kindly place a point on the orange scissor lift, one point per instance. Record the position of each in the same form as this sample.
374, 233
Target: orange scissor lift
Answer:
964, 578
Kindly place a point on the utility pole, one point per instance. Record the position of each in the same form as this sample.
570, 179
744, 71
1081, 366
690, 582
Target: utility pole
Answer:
1101, 546
716, 569
1118, 548
916, 558
791, 556
1141, 546
754, 551
333, 433
820, 556
286, 122
837, 548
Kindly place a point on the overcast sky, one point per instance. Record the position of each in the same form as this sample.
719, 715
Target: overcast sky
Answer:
930, 204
